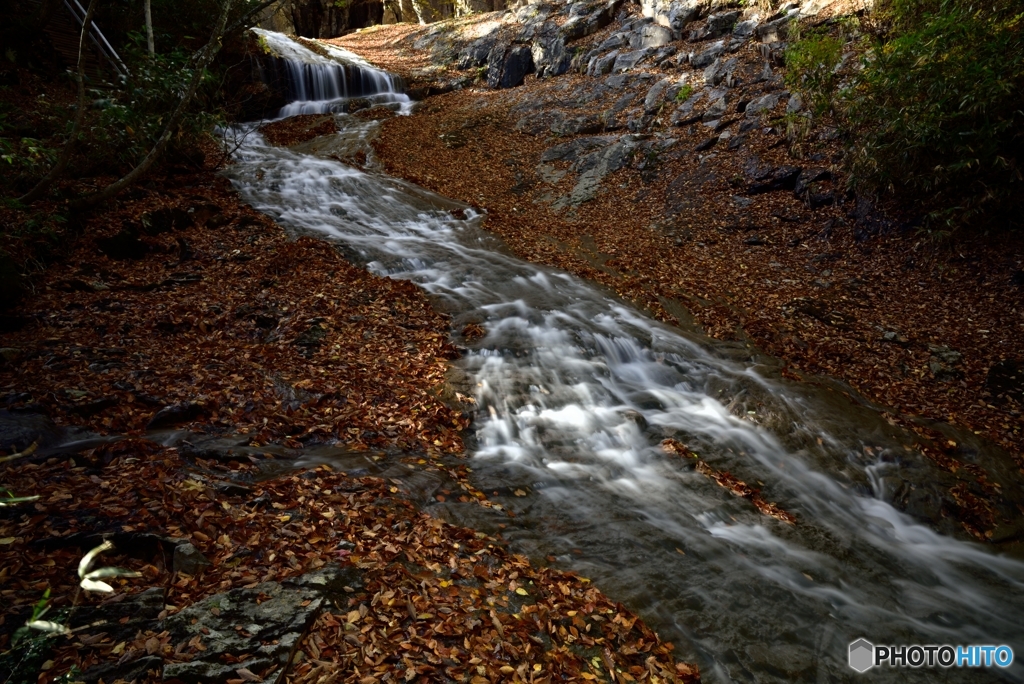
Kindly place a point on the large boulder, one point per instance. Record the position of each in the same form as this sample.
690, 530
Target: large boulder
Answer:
673, 14
650, 36
550, 57
507, 66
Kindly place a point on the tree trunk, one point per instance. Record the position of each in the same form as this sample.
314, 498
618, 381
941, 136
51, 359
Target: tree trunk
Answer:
203, 59
149, 29
65, 155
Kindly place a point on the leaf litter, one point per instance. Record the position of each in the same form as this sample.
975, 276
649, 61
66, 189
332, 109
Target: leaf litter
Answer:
219, 322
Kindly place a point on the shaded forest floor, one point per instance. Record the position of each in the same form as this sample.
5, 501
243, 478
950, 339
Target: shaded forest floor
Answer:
178, 308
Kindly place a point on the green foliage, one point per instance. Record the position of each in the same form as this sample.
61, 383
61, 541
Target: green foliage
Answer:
684, 93
937, 107
133, 116
812, 63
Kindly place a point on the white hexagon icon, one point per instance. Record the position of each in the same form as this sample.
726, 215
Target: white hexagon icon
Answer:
862, 655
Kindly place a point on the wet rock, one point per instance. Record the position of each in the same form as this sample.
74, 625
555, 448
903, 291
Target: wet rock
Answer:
123, 619
475, 54
18, 431
720, 71
550, 58
755, 240
176, 414
776, 30
540, 123
683, 116
924, 505
656, 95
602, 65
806, 179
776, 178
508, 68
125, 245
716, 110
574, 149
259, 628
358, 104
595, 166
704, 58
943, 362
745, 28
717, 25
651, 36
628, 60
189, 560
673, 14
762, 104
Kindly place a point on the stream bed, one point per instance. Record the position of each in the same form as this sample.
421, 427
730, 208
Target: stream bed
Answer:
575, 391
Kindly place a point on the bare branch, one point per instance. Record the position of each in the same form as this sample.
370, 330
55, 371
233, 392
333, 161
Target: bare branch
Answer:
65, 156
204, 58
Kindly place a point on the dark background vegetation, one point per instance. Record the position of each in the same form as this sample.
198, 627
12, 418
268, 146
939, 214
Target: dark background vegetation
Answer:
930, 105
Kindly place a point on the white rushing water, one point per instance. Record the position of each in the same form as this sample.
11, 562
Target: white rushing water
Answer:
322, 84
575, 390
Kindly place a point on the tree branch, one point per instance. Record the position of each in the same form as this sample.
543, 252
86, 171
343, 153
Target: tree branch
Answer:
206, 56
65, 155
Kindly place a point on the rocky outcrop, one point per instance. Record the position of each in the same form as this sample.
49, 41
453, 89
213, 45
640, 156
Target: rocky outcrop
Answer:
252, 630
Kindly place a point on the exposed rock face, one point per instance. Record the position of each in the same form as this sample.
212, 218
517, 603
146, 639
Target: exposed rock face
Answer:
508, 66
20, 430
674, 14
262, 625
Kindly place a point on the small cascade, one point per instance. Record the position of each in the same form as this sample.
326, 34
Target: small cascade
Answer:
319, 84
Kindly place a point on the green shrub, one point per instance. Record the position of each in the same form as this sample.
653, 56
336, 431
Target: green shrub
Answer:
134, 115
936, 110
811, 68
684, 93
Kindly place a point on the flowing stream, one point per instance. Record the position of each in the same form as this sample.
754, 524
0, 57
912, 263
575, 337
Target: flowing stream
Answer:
575, 391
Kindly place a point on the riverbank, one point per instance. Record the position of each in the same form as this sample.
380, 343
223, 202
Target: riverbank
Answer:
717, 220
184, 316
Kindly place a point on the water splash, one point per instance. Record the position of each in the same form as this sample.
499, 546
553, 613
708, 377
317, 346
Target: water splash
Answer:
318, 84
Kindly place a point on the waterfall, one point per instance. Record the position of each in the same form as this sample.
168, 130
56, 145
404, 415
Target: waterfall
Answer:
319, 84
